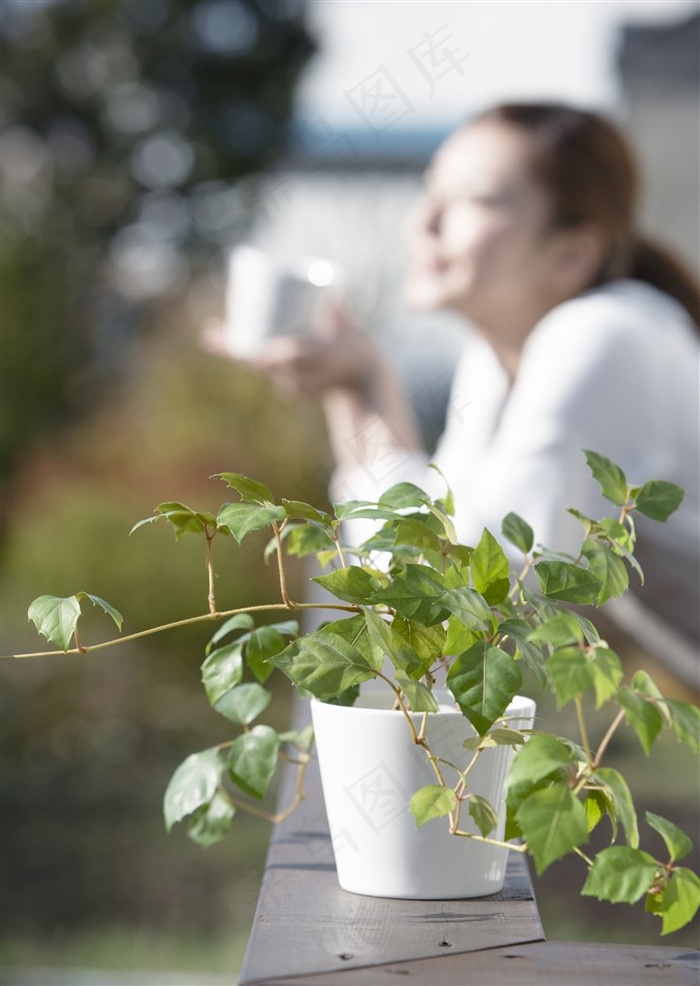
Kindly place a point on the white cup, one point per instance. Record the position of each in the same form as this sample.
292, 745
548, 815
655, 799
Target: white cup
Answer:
269, 296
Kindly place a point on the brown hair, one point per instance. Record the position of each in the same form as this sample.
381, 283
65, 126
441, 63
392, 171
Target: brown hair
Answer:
590, 170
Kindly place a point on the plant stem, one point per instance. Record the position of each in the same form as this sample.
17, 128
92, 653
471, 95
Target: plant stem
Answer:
608, 736
203, 618
210, 573
584, 857
521, 578
583, 730
274, 817
280, 564
516, 847
341, 554
397, 692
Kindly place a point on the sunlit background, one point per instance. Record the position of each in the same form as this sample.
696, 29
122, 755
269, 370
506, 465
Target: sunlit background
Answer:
141, 140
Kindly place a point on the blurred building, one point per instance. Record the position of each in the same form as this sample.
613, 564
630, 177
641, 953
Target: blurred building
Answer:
658, 66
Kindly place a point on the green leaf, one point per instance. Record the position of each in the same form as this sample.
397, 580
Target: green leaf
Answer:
459, 638
404, 495
490, 569
608, 567
354, 630
352, 584
301, 738
531, 655
244, 703
642, 715
483, 681
680, 900
621, 803
447, 527
541, 757
483, 814
500, 736
518, 532
677, 842
596, 806
249, 489
609, 476
183, 519
416, 593
552, 821
401, 654
252, 760
427, 642
343, 511
685, 720
658, 500
565, 581
607, 674
241, 621
643, 682
106, 607
572, 674
419, 695
210, 823
469, 607
306, 539
589, 631
617, 532
620, 874
559, 630
449, 501
417, 533
324, 664
295, 509
264, 643
222, 670
432, 801
55, 618
193, 784
242, 518
543, 607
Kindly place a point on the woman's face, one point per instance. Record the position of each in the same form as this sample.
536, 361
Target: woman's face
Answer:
479, 239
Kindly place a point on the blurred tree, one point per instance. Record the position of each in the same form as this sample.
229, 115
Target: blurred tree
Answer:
131, 135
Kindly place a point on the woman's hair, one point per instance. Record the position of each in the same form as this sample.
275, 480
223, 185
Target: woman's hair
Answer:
589, 169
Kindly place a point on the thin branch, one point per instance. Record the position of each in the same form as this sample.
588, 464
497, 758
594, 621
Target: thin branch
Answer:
210, 573
608, 736
280, 816
280, 565
203, 618
583, 730
516, 847
584, 857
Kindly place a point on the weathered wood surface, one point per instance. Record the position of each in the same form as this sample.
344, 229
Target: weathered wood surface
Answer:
309, 931
541, 964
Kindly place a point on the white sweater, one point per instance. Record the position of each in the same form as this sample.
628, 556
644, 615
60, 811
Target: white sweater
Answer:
616, 371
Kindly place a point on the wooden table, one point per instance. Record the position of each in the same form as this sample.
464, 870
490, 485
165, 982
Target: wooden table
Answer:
307, 930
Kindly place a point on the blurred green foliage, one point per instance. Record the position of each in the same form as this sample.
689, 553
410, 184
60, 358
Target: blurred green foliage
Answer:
127, 129
132, 133
89, 744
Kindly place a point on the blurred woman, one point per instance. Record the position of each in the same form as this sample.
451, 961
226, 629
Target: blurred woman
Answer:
579, 335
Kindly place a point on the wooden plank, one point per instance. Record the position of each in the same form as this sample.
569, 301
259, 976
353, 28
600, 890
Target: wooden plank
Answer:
306, 925
541, 964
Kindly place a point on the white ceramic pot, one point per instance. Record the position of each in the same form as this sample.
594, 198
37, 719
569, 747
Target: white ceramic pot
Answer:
370, 769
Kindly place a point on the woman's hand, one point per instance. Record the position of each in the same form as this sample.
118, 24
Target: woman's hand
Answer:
337, 356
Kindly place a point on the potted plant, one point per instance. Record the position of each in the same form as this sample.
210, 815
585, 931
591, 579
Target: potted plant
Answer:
446, 631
